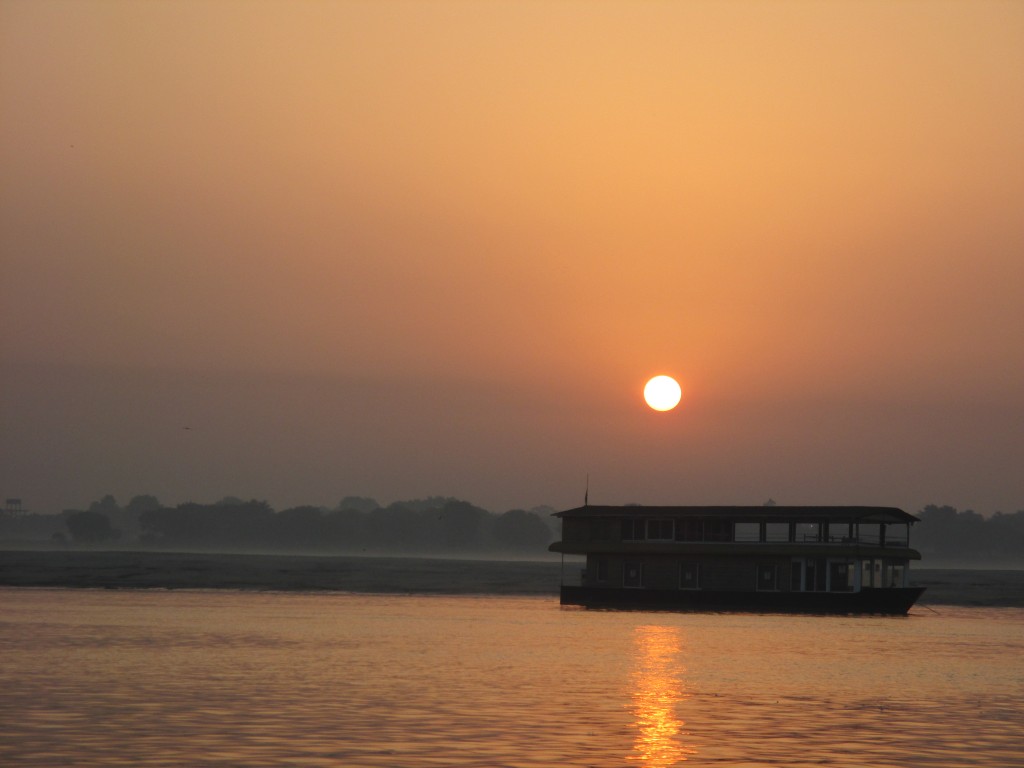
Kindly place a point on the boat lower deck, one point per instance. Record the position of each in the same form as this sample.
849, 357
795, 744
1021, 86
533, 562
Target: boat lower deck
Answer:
888, 601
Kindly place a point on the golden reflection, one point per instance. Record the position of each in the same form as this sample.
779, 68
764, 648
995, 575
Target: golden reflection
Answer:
657, 689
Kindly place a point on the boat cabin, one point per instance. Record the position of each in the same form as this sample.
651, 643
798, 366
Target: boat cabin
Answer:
767, 557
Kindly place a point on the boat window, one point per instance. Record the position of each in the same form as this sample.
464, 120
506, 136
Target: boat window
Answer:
633, 529
689, 575
883, 578
865, 574
602, 569
659, 529
747, 532
869, 533
689, 530
839, 532
767, 577
598, 529
840, 575
897, 574
897, 535
814, 574
718, 530
808, 532
871, 574
776, 532
796, 572
633, 575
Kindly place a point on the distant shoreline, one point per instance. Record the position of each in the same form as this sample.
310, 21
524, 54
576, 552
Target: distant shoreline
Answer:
389, 575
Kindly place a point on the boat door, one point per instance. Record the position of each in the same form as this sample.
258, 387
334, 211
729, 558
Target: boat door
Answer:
796, 576
808, 574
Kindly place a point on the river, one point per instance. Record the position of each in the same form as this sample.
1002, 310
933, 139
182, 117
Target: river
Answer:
241, 678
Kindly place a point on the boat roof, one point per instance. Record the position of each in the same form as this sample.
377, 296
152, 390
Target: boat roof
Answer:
759, 513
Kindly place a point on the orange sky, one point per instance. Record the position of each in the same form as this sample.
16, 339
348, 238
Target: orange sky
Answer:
412, 248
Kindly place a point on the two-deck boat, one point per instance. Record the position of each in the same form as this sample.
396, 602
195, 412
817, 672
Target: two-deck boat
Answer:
766, 558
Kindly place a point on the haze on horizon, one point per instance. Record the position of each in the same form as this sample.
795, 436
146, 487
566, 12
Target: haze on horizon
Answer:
301, 250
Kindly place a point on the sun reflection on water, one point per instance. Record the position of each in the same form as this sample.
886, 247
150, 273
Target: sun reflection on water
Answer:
657, 689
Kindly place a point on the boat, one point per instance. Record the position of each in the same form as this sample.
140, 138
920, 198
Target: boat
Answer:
843, 560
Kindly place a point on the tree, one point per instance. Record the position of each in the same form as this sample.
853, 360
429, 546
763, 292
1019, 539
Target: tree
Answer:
299, 528
105, 506
521, 530
460, 525
358, 504
90, 527
1007, 534
226, 526
344, 529
143, 503
395, 528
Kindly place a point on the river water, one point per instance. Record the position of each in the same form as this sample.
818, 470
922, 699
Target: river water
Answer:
228, 678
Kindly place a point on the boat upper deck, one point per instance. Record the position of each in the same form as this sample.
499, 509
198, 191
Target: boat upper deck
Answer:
748, 513
719, 529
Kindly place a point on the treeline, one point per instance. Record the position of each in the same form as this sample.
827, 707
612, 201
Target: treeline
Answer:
436, 525
948, 537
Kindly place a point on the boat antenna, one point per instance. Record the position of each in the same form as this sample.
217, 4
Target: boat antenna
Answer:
586, 491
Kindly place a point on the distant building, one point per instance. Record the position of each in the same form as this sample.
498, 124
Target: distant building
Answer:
13, 508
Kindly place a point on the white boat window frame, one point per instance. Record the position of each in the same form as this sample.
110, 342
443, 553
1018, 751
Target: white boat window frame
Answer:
683, 567
765, 568
626, 575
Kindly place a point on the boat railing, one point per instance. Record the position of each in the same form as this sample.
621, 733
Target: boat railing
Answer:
872, 540
813, 538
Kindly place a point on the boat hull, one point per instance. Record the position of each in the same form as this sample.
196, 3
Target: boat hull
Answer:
889, 601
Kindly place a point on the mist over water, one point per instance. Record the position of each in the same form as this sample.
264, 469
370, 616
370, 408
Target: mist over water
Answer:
147, 678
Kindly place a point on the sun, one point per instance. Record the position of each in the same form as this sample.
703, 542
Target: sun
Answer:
663, 393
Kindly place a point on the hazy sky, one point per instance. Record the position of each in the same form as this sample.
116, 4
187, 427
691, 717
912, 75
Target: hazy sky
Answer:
402, 249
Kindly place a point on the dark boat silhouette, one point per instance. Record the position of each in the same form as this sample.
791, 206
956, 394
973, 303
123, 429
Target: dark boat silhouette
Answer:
764, 558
